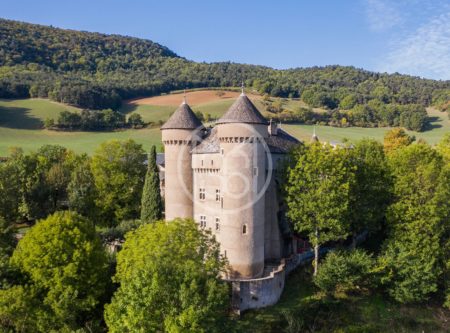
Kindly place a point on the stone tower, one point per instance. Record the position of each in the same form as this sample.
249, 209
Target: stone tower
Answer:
242, 132
179, 135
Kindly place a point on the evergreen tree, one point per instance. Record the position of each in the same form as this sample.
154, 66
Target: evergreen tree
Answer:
151, 206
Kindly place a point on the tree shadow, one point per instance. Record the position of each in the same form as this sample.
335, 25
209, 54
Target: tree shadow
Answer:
18, 118
128, 108
433, 123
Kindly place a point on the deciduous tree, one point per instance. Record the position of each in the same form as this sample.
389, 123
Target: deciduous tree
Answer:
118, 168
370, 193
169, 276
65, 267
396, 138
418, 224
318, 194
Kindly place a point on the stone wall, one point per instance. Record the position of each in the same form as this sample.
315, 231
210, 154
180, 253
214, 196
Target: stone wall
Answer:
266, 291
258, 293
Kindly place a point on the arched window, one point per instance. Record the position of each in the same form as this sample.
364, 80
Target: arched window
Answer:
244, 229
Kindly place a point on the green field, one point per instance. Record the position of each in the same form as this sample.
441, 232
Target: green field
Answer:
21, 122
440, 125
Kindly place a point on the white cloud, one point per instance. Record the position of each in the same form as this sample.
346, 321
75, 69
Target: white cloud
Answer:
426, 52
382, 15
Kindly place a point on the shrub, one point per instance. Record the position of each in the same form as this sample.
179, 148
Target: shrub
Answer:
344, 271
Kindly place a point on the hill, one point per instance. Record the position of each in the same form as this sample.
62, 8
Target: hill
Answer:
96, 71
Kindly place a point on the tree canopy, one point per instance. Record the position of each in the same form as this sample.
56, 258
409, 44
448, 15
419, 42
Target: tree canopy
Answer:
169, 281
118, 169
417, 223
318, 193
64, 269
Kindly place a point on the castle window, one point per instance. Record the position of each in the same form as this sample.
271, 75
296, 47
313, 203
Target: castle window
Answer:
255, 171
212, 162
202, 194
244, 229
221, 151
221, 202
217, 195
202, 162
217, 224
202, 221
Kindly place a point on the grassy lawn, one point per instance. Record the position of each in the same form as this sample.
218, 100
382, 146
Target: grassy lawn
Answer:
29, 113
440, 125
21, 122
302, 309
80, 142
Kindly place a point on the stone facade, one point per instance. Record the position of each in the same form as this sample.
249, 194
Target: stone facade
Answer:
224, 178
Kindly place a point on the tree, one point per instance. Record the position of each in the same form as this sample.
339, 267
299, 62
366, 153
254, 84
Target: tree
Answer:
370, 193
417, 224
81, 189
318, 194
151, 206
135, 120
348, 102
169, 275
396, 138
345, 271
7, 244
444, 147
11, 188
65, 267
118, 169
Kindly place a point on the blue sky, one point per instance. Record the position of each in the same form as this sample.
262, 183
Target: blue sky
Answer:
406, 36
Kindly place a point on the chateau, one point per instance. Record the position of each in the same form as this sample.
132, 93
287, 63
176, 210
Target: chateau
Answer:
224, 178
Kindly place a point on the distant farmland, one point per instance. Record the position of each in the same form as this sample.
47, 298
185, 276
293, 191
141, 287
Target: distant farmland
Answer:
21, 122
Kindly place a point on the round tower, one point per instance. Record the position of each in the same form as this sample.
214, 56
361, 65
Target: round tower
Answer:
242, 132
179, 135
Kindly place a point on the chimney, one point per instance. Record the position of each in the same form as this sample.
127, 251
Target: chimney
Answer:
273, 128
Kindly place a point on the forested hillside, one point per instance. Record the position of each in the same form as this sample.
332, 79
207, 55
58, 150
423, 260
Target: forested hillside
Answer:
97, 71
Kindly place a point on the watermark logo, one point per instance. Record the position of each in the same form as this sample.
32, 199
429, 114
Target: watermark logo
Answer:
244, 171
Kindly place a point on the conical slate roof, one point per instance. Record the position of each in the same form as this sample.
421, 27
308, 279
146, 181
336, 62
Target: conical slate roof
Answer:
242, 111
183, 118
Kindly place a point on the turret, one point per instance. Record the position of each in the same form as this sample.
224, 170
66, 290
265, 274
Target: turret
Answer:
242, 132
179, 135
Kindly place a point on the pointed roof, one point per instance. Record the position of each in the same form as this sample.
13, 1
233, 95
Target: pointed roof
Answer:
242, 111
183, 118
